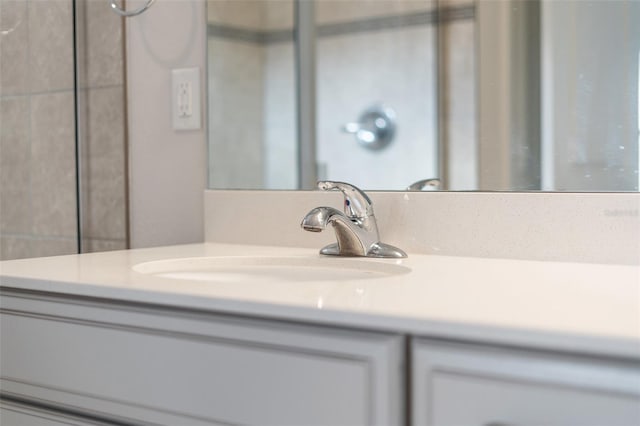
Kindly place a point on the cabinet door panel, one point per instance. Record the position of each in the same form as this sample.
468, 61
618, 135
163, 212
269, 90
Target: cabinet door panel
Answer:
465, 400
457, 384
204, 368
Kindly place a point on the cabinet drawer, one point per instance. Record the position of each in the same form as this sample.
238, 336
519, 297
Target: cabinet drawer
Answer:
468, 385
152, 364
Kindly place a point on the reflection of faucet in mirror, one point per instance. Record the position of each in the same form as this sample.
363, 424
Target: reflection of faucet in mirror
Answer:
356, 229
128, 14
425, 185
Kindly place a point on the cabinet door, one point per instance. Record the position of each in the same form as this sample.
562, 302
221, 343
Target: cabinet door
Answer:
458, 384
182, 367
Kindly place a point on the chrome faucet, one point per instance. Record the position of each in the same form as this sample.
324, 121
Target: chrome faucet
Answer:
356, 229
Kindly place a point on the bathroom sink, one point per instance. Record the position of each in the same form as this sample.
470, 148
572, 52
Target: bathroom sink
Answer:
228, 269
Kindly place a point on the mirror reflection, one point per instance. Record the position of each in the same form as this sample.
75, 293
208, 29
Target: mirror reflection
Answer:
388, 94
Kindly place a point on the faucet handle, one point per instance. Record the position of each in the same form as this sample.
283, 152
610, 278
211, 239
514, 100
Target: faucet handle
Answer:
356, 203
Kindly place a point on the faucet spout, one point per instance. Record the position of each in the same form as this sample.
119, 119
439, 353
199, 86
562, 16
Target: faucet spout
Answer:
318, 219
356, 229
353, 239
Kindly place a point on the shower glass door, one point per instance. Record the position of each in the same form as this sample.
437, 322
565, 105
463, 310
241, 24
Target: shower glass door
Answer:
62, 128
37, 140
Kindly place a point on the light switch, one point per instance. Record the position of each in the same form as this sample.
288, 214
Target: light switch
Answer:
185, 97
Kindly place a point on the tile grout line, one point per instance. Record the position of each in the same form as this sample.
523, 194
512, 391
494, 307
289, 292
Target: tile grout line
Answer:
58, 91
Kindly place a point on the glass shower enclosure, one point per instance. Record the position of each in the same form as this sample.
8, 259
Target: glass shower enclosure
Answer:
63, 128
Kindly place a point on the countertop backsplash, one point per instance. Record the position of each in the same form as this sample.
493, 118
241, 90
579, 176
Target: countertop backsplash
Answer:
567, 227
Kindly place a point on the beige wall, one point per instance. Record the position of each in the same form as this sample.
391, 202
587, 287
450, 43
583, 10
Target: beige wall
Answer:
167, 167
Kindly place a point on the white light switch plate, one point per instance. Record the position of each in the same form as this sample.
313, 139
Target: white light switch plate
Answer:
185, 98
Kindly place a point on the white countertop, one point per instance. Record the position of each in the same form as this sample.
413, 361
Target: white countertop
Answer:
573, 307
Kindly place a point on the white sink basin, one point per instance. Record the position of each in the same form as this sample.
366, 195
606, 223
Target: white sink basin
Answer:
269, 269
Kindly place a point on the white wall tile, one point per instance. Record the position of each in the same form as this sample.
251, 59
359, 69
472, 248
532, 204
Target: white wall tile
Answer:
50, 45
53, 173
460, 113
14, 66
332, 11
15, 166
236, 13
392, 67
236, 114
280, 132
103, 58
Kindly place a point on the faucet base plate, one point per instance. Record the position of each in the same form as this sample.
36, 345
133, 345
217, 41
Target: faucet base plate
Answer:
380, 250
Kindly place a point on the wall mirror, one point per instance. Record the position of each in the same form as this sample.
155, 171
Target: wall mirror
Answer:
480, 95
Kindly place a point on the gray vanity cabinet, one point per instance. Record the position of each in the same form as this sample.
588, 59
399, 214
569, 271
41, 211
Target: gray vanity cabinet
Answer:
464, 384
132, 363
81, 361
